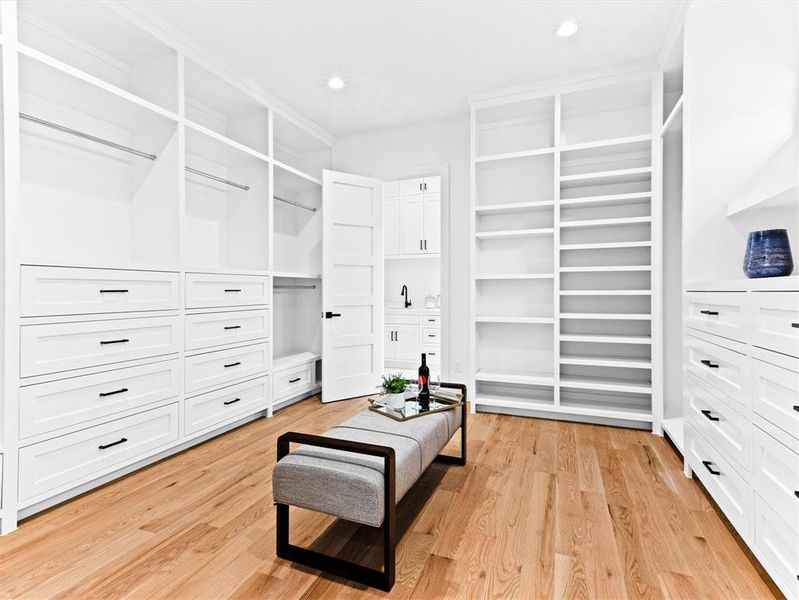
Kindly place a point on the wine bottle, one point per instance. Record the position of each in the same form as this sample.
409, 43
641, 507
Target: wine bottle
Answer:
424, 384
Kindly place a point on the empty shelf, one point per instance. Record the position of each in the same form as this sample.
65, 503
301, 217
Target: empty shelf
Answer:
519, 377
606, 269
513, 233
514, 276
605, 245
607, 316
285, 361
604, 338
633, 139
605, 293
605, 384
520, 320
606, 222
296, 275
511, 155
605, 177
606, 200
501, 209
606, 361
609, 412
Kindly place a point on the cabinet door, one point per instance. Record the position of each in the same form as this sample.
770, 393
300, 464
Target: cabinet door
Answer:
407, 342
412, 225
432, 224
392, 227
391, 189
432, 185
388, 342
409, 187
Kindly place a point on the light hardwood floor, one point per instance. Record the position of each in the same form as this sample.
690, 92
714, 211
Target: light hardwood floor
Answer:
543, 510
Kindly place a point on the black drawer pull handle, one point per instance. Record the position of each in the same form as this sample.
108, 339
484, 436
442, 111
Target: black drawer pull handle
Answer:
712, 471
233, 327
795, 325
709, 312
235, 364
114, 393
432, 335
122, 341
796, 493
709, 364
113, 291
709, 416
330, 315
229, 402
104, 446
294, 380
231, 290
796, 408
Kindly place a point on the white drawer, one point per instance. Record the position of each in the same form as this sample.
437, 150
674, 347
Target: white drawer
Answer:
723, 369
725, 484
51, 406
720, 313
776, 476
59, 347
431, 337
716, 419
75, 291
775, 539
211, 409
209, 290
401, 319
219, 329
775, 321
431, 321
223, 366
775, 395
294, 381
81, 456
433, 357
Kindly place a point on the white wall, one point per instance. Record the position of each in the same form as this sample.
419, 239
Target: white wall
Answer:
390, 151
421, 275
740, 110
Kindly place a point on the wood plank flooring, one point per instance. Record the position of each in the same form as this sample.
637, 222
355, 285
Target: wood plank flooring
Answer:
544, 509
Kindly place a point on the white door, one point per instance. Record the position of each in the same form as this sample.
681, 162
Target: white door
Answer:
352, 290
388, 343
412, 225
432, 223
407, 343
391, 226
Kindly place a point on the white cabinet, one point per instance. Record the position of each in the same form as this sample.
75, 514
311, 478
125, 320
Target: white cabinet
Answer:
412, 225
392, 229
224, 366
409, 333
432, 223
214, 408
210, 290
402, 342
412, 217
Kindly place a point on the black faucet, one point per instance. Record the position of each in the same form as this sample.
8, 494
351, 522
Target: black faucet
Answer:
404, 293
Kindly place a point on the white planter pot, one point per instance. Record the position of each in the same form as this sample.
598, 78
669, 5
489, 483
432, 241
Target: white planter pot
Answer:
395, 400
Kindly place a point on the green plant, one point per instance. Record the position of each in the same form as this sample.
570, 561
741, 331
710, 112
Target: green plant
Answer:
393, 383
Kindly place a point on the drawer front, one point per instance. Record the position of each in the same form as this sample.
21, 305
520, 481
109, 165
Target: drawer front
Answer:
776, 475
74, 291
401, 319
51, 406
775, 395
88, 453
725, 484
723, 369
294, 381
208, 290
59, 347
775, 321
433, 357
207, 411
218, 329
720, 313
776, 542
716, 419
431, 321
431, 337
218, 368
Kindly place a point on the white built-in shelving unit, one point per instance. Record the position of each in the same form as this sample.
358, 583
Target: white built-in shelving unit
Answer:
564, 277
154, 201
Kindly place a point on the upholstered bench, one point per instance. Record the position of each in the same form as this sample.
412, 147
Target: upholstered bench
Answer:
358, 471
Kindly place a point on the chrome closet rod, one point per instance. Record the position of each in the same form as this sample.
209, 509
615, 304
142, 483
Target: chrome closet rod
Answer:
294, 287
241, 186
86, 136
297, 204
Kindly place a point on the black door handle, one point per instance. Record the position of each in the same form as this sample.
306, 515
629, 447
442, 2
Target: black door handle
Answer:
229, 402
235, 364
122, 341
709, 364
709, 312
113, 291
795, 325
232, 290
104, 446
119, 391
330, 315
796, 408
709, 416
232, 327
712, 471
294, 380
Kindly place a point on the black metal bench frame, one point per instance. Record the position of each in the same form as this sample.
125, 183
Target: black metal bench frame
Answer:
384, 579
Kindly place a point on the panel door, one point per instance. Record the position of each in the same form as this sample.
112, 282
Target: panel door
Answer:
407, 342
432, 224
392, 239
413, 225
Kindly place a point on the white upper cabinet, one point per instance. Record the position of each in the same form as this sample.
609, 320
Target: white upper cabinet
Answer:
413, 219
412, 225
409, 187
391, 189
432, 223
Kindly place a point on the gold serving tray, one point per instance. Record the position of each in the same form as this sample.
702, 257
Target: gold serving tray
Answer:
412, 410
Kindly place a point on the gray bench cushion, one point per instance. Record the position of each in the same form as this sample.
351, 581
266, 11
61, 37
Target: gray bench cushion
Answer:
349, 485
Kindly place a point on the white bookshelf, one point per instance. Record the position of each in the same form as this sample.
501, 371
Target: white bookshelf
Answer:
563, 277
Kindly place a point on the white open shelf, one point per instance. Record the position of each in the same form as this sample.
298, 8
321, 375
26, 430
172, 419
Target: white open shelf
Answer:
605, 245
514, 276
606, 316
607, 177
605, 384
514, 208
517, 320
606, 199
605, 293
299, 149
298, 222
514, 233
285, 361
605, 361
602, 338
521, 377
605, 222
607, 269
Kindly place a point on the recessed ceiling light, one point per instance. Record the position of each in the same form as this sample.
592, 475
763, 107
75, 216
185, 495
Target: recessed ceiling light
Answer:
567, 28
336, 83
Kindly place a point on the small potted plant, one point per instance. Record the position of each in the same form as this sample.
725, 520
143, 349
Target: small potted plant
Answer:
393, 388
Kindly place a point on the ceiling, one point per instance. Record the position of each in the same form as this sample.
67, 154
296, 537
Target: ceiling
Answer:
412, 61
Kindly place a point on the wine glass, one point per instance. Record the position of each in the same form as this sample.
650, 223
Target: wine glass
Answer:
434, 382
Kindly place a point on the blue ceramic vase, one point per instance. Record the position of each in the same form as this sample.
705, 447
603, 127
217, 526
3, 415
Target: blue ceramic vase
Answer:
768, 254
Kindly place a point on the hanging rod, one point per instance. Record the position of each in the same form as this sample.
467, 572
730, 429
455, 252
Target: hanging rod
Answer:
297, 204
294, 287
87, 136
219, 179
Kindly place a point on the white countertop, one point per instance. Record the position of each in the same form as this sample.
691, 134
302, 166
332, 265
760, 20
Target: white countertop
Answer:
742, 285
413, 310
